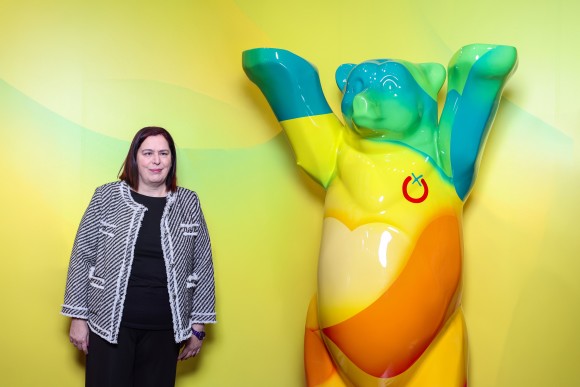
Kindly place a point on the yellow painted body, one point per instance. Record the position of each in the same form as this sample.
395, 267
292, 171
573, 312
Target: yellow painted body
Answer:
387, 311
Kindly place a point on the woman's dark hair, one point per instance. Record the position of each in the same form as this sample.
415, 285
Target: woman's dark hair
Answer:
129, 171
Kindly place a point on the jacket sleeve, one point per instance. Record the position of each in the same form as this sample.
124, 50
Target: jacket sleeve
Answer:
203, 309
82, 259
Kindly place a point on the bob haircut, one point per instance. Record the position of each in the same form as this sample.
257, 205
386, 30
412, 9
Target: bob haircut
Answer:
129, 171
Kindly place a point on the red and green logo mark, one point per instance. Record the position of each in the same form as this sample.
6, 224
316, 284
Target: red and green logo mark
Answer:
422, 183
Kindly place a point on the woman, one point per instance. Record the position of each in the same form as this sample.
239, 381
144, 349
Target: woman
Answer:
140, 281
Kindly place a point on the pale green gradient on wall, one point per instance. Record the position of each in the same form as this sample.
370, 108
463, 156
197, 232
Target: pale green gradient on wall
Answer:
77, 79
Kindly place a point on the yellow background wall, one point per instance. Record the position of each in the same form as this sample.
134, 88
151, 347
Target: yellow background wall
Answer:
78, 78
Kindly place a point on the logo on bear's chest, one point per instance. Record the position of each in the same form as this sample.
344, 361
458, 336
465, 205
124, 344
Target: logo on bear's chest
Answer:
421, 182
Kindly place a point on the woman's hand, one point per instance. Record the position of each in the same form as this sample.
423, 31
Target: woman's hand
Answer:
79, 334
192, 345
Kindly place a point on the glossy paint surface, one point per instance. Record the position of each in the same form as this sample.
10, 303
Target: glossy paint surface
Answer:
388, 309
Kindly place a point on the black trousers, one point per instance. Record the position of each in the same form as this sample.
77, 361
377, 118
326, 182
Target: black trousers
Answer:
141, 358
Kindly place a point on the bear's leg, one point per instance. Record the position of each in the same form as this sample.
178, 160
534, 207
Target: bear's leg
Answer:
444, 363
320, 369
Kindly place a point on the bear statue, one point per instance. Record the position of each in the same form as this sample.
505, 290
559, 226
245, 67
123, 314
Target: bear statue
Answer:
388, 306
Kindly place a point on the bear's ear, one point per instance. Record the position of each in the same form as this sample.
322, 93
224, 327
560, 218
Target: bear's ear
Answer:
435, 74
342, 73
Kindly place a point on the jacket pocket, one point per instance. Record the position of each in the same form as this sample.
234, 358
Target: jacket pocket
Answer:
107, 228
189, 229
94, 281
192, 281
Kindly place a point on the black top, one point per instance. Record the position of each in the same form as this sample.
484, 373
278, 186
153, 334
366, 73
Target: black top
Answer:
147, 300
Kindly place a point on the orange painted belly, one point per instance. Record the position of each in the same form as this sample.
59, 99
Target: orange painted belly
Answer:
387, 337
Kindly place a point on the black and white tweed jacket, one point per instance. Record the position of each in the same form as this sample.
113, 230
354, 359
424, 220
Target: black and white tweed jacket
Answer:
102, 256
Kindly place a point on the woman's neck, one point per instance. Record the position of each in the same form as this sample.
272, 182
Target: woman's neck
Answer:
155, 191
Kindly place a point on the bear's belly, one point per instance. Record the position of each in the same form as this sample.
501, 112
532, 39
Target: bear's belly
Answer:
356, 267
390, 263
383, 294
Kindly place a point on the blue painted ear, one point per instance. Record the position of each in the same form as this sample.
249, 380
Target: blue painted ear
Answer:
342, 73
435, 74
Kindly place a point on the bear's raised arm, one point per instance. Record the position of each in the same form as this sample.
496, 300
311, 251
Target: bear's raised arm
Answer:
292, 88
290, 83
476, 76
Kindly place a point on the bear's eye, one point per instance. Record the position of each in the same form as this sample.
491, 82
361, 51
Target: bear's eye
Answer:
356, 86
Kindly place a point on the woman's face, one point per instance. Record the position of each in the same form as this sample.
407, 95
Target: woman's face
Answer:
153, 161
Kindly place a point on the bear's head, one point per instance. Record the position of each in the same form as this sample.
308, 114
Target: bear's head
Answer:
387, 99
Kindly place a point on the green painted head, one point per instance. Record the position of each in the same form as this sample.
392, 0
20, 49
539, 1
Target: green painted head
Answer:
387, 99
